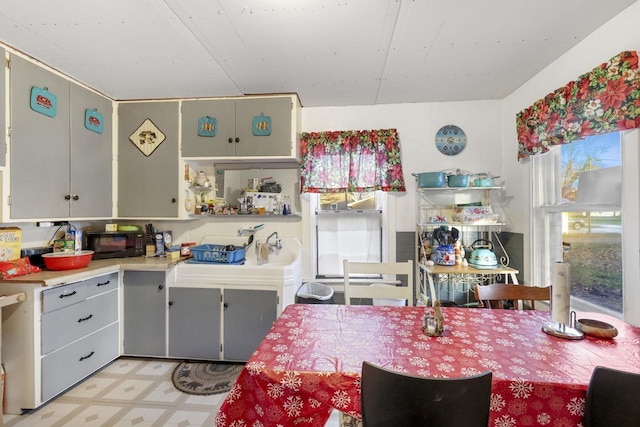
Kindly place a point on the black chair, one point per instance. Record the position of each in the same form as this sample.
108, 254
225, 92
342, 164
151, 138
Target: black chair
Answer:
394, 399
613, 399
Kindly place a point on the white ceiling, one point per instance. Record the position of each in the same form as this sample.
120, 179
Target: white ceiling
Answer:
331, 52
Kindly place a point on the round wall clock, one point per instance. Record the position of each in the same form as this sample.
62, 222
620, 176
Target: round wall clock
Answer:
451, 140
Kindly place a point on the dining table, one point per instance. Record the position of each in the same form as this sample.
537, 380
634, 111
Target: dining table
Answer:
310, 362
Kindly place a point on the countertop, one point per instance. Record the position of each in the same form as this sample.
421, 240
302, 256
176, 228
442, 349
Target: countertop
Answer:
95, 267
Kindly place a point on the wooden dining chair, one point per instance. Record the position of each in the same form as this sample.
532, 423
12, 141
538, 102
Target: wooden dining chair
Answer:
494, 296
368, 289
612, 399
390, 398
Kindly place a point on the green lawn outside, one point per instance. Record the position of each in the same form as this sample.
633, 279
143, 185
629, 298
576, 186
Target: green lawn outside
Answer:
596, 268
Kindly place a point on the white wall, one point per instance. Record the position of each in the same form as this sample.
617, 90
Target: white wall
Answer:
417, 125
619, 34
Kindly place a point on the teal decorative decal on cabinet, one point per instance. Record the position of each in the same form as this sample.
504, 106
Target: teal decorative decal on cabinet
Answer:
207, 126
93, 120
43, 101
261, 125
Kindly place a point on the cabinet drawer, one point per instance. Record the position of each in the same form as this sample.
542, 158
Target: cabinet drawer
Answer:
73, 363
66, 325
100, 284
62, 296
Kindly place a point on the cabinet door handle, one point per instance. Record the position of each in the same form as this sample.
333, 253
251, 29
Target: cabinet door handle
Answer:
170, 303
230, 140
237, 139
225, 305
67, 196
68, 295
85, 318
160, 287
76, 197
173, 200
87, 356
104, 283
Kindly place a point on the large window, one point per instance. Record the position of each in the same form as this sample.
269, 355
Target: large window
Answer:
579, 218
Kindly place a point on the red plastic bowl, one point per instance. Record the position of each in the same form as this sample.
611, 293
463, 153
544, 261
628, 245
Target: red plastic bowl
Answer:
67, 260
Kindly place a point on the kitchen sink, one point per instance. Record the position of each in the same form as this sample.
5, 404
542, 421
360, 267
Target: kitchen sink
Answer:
284, 267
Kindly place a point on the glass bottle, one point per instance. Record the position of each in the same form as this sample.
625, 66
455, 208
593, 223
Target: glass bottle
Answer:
277, 207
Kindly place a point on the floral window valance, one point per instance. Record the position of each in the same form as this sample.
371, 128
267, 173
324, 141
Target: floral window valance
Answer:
606, 99
355, 161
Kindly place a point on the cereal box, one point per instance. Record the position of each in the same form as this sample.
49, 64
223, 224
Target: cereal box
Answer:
10, 240
73, 240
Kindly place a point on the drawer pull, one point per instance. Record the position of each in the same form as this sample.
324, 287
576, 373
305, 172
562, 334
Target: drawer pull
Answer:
85, 318
105, 283
68, 295
86, 357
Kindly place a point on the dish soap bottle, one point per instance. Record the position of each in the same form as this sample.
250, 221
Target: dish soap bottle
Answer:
286, 206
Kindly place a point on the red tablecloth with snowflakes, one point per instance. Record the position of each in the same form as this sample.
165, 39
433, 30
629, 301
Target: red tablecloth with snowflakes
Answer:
310, 363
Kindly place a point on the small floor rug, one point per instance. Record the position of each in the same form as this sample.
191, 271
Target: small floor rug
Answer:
205, 378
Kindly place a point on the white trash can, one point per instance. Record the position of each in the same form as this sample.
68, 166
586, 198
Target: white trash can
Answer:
315, 293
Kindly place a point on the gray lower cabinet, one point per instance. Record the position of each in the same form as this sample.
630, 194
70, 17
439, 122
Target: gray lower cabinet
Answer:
233, 133
248, 316
57, 163
73, 363
148, 177
194, 323
144, 313
196, 316
79, 331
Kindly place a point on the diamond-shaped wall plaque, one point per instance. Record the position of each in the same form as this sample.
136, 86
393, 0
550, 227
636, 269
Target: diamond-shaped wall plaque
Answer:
147, 137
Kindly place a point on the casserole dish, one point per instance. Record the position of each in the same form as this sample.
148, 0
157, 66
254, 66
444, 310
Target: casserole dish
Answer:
431, 179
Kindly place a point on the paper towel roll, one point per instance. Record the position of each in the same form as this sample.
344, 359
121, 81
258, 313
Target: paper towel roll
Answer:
561, 291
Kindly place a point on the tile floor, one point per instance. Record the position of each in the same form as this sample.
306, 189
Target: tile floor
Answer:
128, 392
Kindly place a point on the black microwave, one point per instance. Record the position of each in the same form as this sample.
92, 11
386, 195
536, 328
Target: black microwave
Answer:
115, 244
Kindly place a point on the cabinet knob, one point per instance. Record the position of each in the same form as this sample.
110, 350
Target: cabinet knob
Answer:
230, 140
67, 196
237, 139
76, 197
225, 305
170, 303
173, 200
160, 287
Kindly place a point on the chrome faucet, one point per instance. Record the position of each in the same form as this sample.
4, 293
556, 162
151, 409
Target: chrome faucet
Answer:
277, 244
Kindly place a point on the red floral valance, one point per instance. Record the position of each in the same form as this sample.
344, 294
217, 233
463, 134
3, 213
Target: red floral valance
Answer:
355, 161
606, 99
